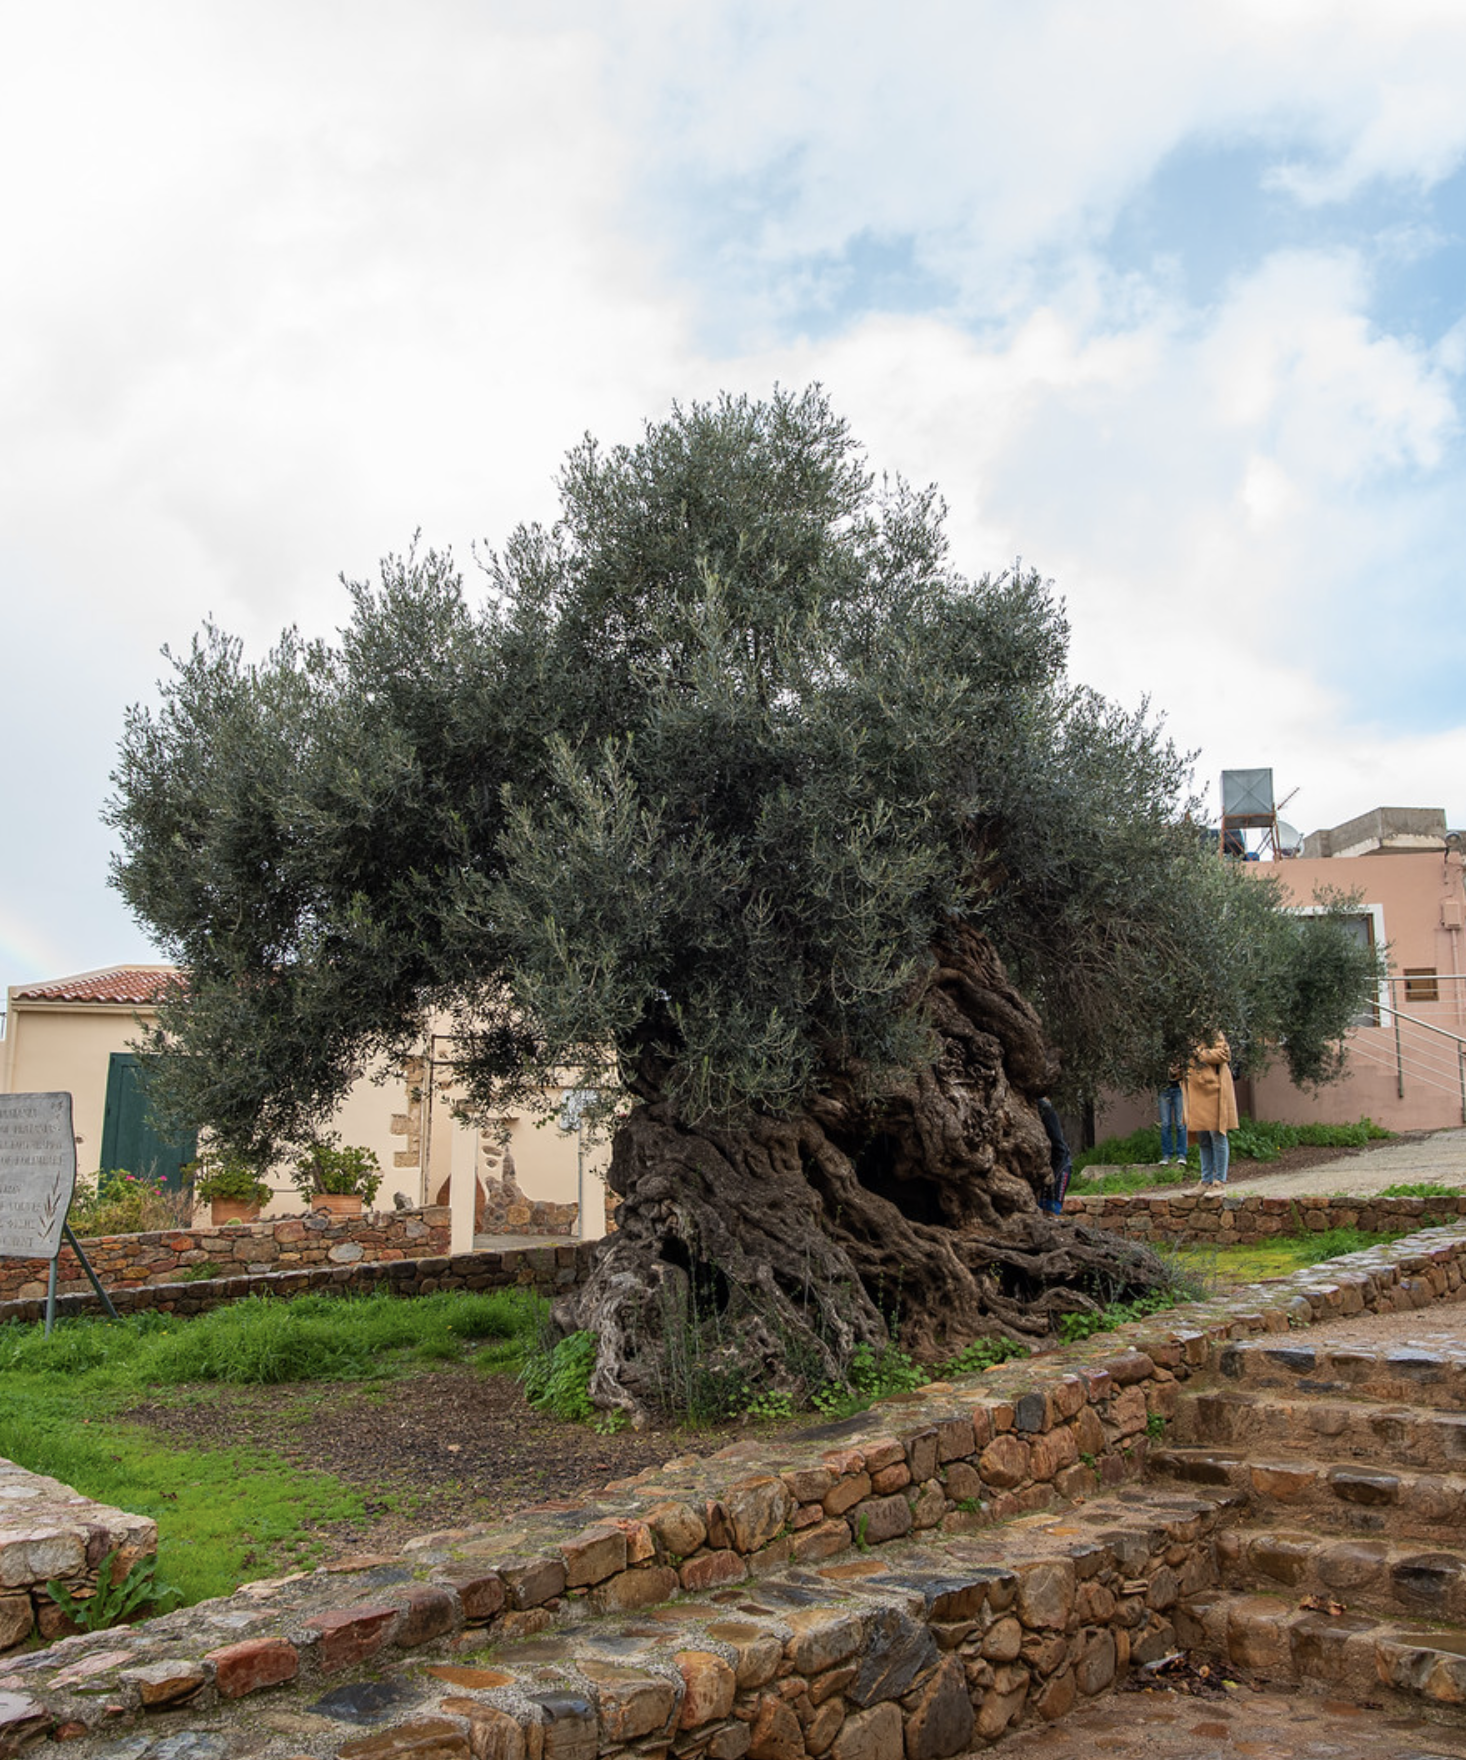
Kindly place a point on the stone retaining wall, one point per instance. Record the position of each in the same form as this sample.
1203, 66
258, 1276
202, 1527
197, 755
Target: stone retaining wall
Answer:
285, 1243
1239, 1218
777, 1536
550, 1271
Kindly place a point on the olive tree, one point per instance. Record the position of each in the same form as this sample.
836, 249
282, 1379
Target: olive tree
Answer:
730, 799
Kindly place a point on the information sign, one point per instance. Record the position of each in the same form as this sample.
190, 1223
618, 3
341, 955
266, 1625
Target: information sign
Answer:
37, 1173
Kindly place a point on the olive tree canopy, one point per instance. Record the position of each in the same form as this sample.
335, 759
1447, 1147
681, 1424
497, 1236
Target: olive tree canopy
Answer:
728, 797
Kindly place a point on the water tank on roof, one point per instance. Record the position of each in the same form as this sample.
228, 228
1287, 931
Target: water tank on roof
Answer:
1247, 797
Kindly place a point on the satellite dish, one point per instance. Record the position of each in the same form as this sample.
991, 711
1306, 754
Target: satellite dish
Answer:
1290, 838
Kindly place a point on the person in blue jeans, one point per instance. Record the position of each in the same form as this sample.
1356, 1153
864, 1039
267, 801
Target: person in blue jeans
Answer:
1173, 1122
1211, 1107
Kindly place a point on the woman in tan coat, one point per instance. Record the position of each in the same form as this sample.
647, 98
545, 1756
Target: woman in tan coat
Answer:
1211, 1106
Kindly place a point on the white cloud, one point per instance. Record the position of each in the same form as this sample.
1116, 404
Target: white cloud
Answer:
291, 283
1218, 504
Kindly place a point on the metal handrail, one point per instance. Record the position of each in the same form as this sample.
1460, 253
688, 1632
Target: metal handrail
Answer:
1457, 1039
1415, 1021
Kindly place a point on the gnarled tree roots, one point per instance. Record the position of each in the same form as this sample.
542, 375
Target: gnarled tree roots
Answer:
759, 1258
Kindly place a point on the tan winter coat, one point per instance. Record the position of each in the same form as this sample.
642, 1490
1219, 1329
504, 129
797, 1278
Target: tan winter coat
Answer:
1211, 1100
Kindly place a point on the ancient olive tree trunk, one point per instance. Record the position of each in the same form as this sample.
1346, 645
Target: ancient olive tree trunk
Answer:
770, 1252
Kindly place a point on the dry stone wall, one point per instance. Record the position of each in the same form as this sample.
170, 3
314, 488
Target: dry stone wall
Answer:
1237, 1218
126, 1262
548, 1270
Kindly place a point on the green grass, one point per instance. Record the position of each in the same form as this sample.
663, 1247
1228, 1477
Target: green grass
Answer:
1124, 1180
226, 1515
1203, 1269
265, 1342
1136, 1156
1224, 1267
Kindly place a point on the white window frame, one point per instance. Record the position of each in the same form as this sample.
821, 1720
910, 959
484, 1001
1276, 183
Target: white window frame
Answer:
1376, 914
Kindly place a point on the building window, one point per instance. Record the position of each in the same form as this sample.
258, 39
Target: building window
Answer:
1421, 985
1367, 926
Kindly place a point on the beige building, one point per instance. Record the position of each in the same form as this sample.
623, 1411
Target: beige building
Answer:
72, 1035
1407, 1050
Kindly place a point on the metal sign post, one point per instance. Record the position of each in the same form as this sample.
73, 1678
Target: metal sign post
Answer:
573, 1108
37, 1179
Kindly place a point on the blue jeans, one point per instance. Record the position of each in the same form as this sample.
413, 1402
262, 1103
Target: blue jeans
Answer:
1173, 1123
1215, 1152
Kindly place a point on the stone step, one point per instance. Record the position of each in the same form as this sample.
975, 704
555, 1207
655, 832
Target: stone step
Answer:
1348, 1656
1321, 1428
925, 1647
1361, 1573
1354, 1497
1415, 1375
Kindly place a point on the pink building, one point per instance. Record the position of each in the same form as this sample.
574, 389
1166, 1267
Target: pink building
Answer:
1407, 1052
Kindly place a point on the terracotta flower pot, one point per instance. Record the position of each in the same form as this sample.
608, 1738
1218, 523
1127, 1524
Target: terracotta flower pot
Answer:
232, 1210
337, 1203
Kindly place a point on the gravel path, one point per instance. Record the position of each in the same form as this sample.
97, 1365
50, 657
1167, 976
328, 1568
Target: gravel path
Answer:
1438, 1157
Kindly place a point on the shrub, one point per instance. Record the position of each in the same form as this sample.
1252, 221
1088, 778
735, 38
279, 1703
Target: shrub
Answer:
341, 1171
217, 1174
556, 1378
119, 1202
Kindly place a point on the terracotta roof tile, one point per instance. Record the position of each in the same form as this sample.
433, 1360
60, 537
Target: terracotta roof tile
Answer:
138, 985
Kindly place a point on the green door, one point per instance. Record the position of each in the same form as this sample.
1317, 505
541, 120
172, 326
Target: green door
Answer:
129, 1141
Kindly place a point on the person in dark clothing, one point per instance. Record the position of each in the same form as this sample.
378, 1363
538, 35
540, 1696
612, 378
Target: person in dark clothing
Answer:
1061, 1163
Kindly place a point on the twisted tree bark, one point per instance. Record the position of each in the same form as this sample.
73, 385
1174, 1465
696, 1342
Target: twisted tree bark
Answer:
765, 1255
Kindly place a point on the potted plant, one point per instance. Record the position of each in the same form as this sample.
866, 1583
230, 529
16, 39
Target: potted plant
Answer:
340, 1178
233, 1187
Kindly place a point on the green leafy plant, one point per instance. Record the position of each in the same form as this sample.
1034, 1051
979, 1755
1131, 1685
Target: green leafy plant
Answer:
119, 1202
771, 1407
556, 1378
1420, 1188
326, 1167
113, 1601
1257, 1139
218, 1174
1155, 1426
871, 1375
198, 1273
983, 1353
1073, 1327
862, 1527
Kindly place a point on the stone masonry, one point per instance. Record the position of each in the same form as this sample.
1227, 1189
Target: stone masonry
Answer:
1191, 1217
285, 1243
905, 1585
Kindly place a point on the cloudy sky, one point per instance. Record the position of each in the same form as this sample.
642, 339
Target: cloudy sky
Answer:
1169, 299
